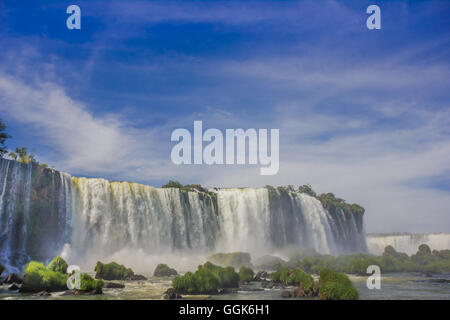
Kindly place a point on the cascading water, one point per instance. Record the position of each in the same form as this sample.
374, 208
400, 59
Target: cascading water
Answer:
44, 212
35, 212
407, 243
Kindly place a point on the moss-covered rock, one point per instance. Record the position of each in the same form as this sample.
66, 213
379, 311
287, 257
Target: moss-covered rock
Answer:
246, 274
58, 264
208, 279
89, 284
38, 278
233, 259
294, 277
112, 271
336, 286
163, 270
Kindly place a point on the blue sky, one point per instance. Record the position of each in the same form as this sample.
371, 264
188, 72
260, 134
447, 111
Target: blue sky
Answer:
362, 113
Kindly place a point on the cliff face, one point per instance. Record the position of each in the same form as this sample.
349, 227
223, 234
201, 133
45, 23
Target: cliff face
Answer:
43, 210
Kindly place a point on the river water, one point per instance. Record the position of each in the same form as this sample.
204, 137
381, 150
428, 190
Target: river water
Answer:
395, 286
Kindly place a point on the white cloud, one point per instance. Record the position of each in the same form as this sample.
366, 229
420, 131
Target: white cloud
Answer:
360, 160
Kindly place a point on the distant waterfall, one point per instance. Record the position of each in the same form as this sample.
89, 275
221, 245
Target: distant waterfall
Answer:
408, 243
44, 212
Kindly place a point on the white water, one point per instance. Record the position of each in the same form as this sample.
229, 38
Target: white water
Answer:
408, 243
87, 220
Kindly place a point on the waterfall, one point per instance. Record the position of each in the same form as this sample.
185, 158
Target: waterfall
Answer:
44, 212
407, 243
34, 212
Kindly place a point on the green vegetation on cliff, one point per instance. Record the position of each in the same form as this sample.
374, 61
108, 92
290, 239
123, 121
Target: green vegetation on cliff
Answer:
3, 137
208, 279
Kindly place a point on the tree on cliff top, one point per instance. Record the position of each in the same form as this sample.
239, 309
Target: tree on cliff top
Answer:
3, 137
21, 154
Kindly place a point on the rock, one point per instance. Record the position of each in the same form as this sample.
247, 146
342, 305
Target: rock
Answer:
26, 289
171, 294
137, 277
13, 278
163, 270
286, 294
267, 284
13, 287
112, 271
96, 291
67, 293
261, 275
299, 292
43, 294
227, 290
114, 285
77, 292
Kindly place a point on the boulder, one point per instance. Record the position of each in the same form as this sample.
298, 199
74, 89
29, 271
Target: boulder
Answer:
137, 277
171, 294
13, 278
13, 287
260, 275
112, 271
43, 294
163, 270
267, 284
227, 290
298, 292
77, 292
286, 294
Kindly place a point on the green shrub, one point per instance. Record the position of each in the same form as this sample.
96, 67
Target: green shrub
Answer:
2, 268
336, 286
293, 277
58, 265
208, 279
276, 276
246, 274
112, 271
338, 291
163, 270
173, 184
38, 278
87, 283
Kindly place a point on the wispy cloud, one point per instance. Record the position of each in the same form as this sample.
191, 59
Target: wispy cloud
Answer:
372, 126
